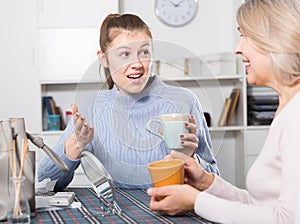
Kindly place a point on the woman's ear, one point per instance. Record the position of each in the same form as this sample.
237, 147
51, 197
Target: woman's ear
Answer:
102, 59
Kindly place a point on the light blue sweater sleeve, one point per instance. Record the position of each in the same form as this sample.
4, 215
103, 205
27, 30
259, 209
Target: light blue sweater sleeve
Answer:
47, 168
204, 153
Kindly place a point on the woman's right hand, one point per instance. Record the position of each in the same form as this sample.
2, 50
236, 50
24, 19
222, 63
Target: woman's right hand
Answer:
82, 135
195, 175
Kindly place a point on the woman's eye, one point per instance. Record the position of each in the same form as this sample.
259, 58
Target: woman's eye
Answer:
124, 54
145, 53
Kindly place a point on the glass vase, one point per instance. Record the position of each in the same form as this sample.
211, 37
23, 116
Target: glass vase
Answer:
18, 207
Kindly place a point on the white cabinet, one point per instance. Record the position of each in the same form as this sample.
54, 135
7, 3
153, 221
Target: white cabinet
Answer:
251, 143
68, 34
255, 137
74, 13
67, 53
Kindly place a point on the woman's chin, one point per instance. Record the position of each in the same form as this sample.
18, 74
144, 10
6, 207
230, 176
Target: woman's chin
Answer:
251, 81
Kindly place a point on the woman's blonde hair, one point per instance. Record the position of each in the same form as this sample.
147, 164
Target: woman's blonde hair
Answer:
274, 25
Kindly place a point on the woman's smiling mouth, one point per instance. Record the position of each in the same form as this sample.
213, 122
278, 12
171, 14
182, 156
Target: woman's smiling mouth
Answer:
136, 76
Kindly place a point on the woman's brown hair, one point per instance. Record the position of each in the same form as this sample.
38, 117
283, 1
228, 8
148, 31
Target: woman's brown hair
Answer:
112, 25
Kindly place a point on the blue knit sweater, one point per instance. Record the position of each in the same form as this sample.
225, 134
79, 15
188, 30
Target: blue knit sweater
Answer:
121, 141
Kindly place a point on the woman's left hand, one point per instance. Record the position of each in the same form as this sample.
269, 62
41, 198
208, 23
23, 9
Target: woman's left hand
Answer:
177, 199
190, 141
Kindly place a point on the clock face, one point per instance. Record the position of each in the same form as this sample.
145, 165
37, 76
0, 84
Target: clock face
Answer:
176, 12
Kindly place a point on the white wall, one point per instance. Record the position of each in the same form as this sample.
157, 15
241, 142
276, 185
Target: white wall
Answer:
19, 80
212, 30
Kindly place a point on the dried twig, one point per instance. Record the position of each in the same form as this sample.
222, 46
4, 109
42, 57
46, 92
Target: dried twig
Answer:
15, 158
18, 191
25, 150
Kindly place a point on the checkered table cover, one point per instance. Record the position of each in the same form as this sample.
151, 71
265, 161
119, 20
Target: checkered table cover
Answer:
133, 202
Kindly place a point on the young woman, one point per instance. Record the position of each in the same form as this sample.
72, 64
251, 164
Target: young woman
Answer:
118, 116
270, 48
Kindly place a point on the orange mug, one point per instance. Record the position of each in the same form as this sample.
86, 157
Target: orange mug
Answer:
166, 172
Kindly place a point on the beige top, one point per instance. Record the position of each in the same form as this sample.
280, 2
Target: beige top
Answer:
272, 181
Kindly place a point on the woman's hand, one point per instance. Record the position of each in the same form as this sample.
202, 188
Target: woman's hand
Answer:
82, 135
177, 199
190, 141
194, 174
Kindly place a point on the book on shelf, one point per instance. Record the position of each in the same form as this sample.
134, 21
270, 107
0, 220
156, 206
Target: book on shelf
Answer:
47, 104
53, 106
62, 120
50, 108
50, 105
234, 96
224, 115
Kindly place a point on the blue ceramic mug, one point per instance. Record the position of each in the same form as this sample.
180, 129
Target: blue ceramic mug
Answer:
171, 126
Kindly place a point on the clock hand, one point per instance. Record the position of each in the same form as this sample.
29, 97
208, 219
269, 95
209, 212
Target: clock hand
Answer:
172, 3
179, 3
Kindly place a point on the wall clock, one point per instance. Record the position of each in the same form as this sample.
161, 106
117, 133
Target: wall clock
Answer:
176, 12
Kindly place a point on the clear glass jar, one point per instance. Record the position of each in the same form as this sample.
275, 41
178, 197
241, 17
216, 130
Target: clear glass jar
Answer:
18, 207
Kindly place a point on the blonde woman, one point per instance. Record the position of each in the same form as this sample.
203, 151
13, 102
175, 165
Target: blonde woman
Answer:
270, 47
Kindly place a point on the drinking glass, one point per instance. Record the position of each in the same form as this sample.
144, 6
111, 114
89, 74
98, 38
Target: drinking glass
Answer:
18, 206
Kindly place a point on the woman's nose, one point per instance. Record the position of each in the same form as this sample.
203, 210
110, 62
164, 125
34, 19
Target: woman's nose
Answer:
136, 64
237, 49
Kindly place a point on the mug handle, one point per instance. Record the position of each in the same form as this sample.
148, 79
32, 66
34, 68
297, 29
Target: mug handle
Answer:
149, 127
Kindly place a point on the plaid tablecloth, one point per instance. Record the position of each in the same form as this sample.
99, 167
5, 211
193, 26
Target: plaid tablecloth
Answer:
134, 203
